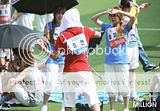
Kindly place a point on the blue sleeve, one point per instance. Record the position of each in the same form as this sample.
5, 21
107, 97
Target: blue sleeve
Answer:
127, 29
105, 26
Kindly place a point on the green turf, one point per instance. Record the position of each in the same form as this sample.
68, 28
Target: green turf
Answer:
57, 106
148, 18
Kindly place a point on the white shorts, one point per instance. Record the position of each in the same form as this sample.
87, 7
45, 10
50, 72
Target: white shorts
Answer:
51, 72
117, 79
26, 20
133, 57
85, 81
23, 96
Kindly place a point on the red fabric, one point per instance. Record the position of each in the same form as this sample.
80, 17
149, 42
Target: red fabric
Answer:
74, 63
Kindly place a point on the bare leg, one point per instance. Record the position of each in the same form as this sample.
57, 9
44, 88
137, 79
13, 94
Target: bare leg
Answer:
112, 103
68, 109
45, 99
2, 61
126, 102
96, 107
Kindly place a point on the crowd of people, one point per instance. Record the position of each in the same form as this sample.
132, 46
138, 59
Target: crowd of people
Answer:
68, 57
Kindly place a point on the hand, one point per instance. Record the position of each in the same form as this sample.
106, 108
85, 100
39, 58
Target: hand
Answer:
14, 18
144, 5
109, 11
113, 11
40, 44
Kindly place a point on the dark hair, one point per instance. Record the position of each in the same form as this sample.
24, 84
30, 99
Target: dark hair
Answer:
25, 55
125, 3
58, 9
4, 2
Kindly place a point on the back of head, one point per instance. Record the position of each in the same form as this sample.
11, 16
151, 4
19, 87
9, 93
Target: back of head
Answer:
125, 4
71, 18
25, 55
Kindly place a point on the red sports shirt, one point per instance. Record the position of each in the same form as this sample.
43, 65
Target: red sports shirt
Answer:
74, 63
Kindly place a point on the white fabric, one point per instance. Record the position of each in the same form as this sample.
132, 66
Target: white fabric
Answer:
5, 53
51, 72
71, 18
44, 108
26, 20
2, 53
156, 83
5, 14
21, 95
117, 79
42, 20
34, 77
133, 54
155, 87
77, 44
85, 81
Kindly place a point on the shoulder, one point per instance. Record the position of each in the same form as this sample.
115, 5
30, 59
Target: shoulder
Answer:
29, 69
49, 24
105, 24
86, 28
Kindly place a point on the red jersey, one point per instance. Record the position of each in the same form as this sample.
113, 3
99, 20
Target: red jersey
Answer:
73, 62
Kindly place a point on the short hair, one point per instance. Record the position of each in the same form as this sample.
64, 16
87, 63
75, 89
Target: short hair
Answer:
125, 3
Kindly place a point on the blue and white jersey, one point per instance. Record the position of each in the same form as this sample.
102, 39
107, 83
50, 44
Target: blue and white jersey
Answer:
116, 45
54, 33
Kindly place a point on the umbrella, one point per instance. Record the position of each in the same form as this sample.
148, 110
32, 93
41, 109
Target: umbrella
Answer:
42, 6
11, 35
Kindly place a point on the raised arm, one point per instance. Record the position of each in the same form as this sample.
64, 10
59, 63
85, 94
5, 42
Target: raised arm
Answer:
131, 16
16, 16
96, 19
41, 45
97, 34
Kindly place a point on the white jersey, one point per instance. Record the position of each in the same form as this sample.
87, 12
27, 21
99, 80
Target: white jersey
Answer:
5, 13
33, 80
